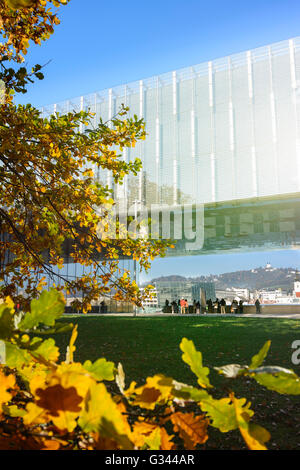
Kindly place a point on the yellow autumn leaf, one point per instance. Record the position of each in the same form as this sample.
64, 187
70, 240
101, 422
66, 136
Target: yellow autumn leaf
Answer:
157, 390
255, 436
141, 430
101, 414
7, 382
34, 415
153, 442
71, 348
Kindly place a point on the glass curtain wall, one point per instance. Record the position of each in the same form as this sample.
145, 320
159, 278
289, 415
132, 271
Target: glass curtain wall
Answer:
227, 129
223, 130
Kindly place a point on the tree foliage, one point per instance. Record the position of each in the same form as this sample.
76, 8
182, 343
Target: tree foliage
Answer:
47, 403
49, 191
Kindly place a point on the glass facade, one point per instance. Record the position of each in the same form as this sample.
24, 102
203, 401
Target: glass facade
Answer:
223, 135
189, 290
224, 138
223, 130
106, 304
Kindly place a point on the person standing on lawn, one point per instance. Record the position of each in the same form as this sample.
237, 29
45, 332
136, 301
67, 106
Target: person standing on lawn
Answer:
257, 305
223, 305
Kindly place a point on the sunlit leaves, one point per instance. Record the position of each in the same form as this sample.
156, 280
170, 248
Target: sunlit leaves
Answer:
52, 405
45, 310
120, 378
56, 399
6, 384
46, 349
192, 429
51, 198
156, 391
231, 371
278, 379
221, 413
49, 192
25, 20
194, 359
71, 348
15, 357
102, 414
258, 359
6, 321
60, 398
100, 369
254, 435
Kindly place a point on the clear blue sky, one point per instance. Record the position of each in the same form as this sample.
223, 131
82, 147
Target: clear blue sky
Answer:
102, 44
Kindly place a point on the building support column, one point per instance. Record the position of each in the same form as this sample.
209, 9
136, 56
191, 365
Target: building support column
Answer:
212, 129
296, 97
253, 147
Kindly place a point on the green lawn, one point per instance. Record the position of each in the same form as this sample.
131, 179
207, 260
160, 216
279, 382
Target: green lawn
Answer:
148, 345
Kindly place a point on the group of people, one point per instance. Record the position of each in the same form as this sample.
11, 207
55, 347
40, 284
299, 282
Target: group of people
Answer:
182, 306
218, 306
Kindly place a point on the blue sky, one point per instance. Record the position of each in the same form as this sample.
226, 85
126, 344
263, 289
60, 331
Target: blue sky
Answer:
192, 266
103, 44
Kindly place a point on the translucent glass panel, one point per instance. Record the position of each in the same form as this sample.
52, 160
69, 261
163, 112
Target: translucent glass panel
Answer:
203, 190
224, 130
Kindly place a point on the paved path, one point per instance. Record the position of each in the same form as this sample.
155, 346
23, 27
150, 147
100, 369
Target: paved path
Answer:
292, 316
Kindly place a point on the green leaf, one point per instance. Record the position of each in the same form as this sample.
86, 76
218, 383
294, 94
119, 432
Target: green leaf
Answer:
44, 310
46, 349
221, 412
13, 411
259, 358
254, 436
194, 359
186, 392
259, 433
58, 328
278, 379
16, 357
6, 321
153, 441
101, 369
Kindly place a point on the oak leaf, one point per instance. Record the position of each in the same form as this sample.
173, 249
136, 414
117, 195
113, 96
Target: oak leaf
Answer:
192, 429
57, 399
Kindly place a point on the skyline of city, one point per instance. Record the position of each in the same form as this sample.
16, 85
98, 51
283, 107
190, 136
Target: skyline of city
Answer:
204, 265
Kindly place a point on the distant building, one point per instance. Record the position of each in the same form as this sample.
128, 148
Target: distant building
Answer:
270, 296
190, 290
277, 296
232, 293
296, 291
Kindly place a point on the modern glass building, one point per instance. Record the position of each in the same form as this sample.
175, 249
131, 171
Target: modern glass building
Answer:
223, 135
187, 289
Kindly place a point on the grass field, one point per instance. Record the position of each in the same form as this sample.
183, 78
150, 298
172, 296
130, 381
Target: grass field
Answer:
149, 345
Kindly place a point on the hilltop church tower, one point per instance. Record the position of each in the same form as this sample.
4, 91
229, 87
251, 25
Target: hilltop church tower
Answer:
297, 285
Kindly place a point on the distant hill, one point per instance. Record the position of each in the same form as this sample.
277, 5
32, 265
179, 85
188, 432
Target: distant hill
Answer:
266, 277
